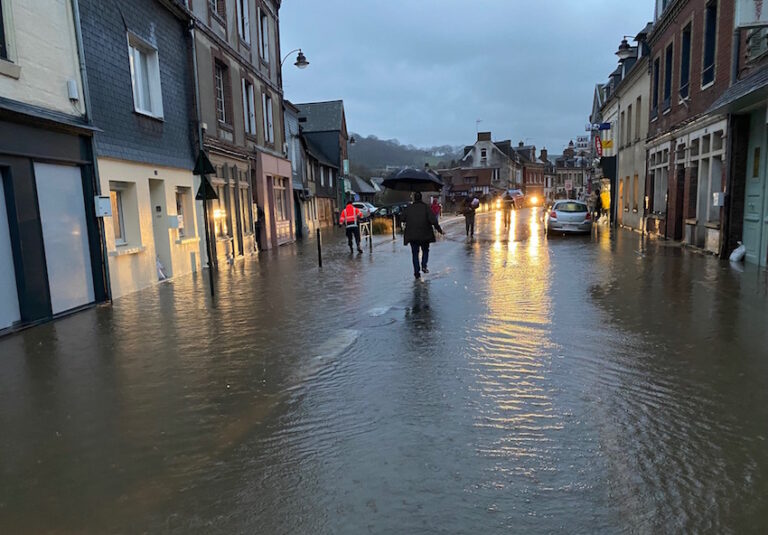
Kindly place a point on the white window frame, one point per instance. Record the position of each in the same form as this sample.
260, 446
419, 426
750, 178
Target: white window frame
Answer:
269, 129
330, 177
136, 46
249, 107
221, 115
244, 21
263, 35
322, 176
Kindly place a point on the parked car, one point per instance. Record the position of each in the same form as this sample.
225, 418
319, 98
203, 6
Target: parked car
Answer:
367, 208
568, 216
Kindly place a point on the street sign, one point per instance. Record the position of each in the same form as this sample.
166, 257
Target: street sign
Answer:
569, 185
607, 143
750, 14
604, 126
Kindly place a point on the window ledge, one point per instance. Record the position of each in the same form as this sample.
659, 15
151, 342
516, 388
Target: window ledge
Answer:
149, 115
226, 126
666, 111
715, 225
124, 250
185, 241
10, 69
707, 86
691, 221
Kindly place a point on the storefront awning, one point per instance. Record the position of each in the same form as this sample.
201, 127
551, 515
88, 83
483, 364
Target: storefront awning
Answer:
743, 94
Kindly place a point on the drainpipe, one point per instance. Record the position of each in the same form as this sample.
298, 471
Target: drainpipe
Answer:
725, 229
89, 120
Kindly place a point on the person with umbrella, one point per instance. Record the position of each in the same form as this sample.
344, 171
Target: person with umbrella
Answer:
419, 223
469, 215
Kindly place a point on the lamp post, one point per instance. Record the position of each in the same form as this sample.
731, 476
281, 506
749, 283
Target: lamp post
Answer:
301, 60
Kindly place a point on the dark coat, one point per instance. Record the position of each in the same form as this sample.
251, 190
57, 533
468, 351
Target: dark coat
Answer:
419, 221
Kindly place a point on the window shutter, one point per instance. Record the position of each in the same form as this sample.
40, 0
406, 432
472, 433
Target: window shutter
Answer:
246, 22
246, 121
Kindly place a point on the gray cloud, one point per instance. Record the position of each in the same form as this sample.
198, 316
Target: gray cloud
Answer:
423, 71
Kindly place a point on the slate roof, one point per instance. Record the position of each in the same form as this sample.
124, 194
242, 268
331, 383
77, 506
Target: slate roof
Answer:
361, 185
321, 116
314, 151
751, 89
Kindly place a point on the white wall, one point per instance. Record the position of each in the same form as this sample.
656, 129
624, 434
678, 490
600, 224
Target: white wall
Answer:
132, 266
43, 54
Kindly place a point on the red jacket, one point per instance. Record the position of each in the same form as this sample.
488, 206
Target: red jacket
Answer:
350, 216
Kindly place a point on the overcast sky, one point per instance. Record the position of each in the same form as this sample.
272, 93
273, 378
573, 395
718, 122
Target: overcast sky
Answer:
423, 71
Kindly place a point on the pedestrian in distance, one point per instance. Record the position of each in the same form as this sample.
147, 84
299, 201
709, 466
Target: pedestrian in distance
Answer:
350, 217
436, 208
598, 205
469, 216
419, 224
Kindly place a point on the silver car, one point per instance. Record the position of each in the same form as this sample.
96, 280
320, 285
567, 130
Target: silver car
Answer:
568, 216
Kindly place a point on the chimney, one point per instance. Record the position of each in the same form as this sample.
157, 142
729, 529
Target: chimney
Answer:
544, 154
483, 136
521, 144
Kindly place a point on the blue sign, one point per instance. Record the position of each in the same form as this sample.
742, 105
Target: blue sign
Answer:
604, 126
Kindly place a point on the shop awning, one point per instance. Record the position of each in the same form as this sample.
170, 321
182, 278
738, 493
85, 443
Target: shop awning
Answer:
743, 94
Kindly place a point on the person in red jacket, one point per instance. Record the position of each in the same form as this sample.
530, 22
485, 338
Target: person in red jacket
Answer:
436, 208
350, 217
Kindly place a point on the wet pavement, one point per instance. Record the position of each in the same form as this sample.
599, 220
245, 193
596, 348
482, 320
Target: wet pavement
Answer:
588, 384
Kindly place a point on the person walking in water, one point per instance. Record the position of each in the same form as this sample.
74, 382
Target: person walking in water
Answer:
469, 216
436, 208
350, 217
419, 222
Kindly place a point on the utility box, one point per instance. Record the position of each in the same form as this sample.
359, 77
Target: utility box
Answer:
103, 206
718, 199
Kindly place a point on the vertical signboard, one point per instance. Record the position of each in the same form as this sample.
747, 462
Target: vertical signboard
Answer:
751, 14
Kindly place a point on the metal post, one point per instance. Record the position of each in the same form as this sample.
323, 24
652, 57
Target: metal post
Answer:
370, 235
207, 236
319, 250
394, 219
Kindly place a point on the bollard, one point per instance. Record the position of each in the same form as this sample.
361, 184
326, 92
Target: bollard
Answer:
319, 250
370, 236
394, 219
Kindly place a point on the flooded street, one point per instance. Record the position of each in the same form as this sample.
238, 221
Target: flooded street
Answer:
587, 384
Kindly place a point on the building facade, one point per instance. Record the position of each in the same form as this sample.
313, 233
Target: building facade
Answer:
690, 67
534, 171
141, 88
324, 129
51, 254
241, 124
498, 156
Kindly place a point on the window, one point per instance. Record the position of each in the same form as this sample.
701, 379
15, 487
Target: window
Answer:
221, 229
655, 97
710, 44
145, 77
622, 130
118, 224
639, 117
281, 199
3, 44
483, 153
635, 192
243, 21
685, 63
181, 201
249, 108
330, 177
264, 35
626, 194
269, 133
220, 79
218, 8
668, 78
322, 176
757, 43
629, 125
245, 211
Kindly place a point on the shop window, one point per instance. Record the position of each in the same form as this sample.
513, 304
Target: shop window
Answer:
145, 77
710, 44
221, 228
246, 217
281, 199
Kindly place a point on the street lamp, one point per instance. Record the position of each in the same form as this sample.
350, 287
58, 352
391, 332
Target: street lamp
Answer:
301, 59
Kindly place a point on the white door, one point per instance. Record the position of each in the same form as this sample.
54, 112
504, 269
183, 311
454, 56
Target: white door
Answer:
9, 299
65, 236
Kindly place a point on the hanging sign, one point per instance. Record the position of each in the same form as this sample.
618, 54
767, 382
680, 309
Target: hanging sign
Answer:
598, 146
751, 14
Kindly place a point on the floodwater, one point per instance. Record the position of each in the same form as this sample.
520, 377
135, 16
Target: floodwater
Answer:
594, 384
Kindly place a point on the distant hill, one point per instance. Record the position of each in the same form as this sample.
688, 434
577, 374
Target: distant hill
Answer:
370, 156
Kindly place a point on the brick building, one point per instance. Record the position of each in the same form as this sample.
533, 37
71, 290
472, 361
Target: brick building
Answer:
690, 67
534, 171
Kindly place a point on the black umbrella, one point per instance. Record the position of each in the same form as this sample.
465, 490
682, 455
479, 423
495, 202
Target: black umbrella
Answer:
413, 180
